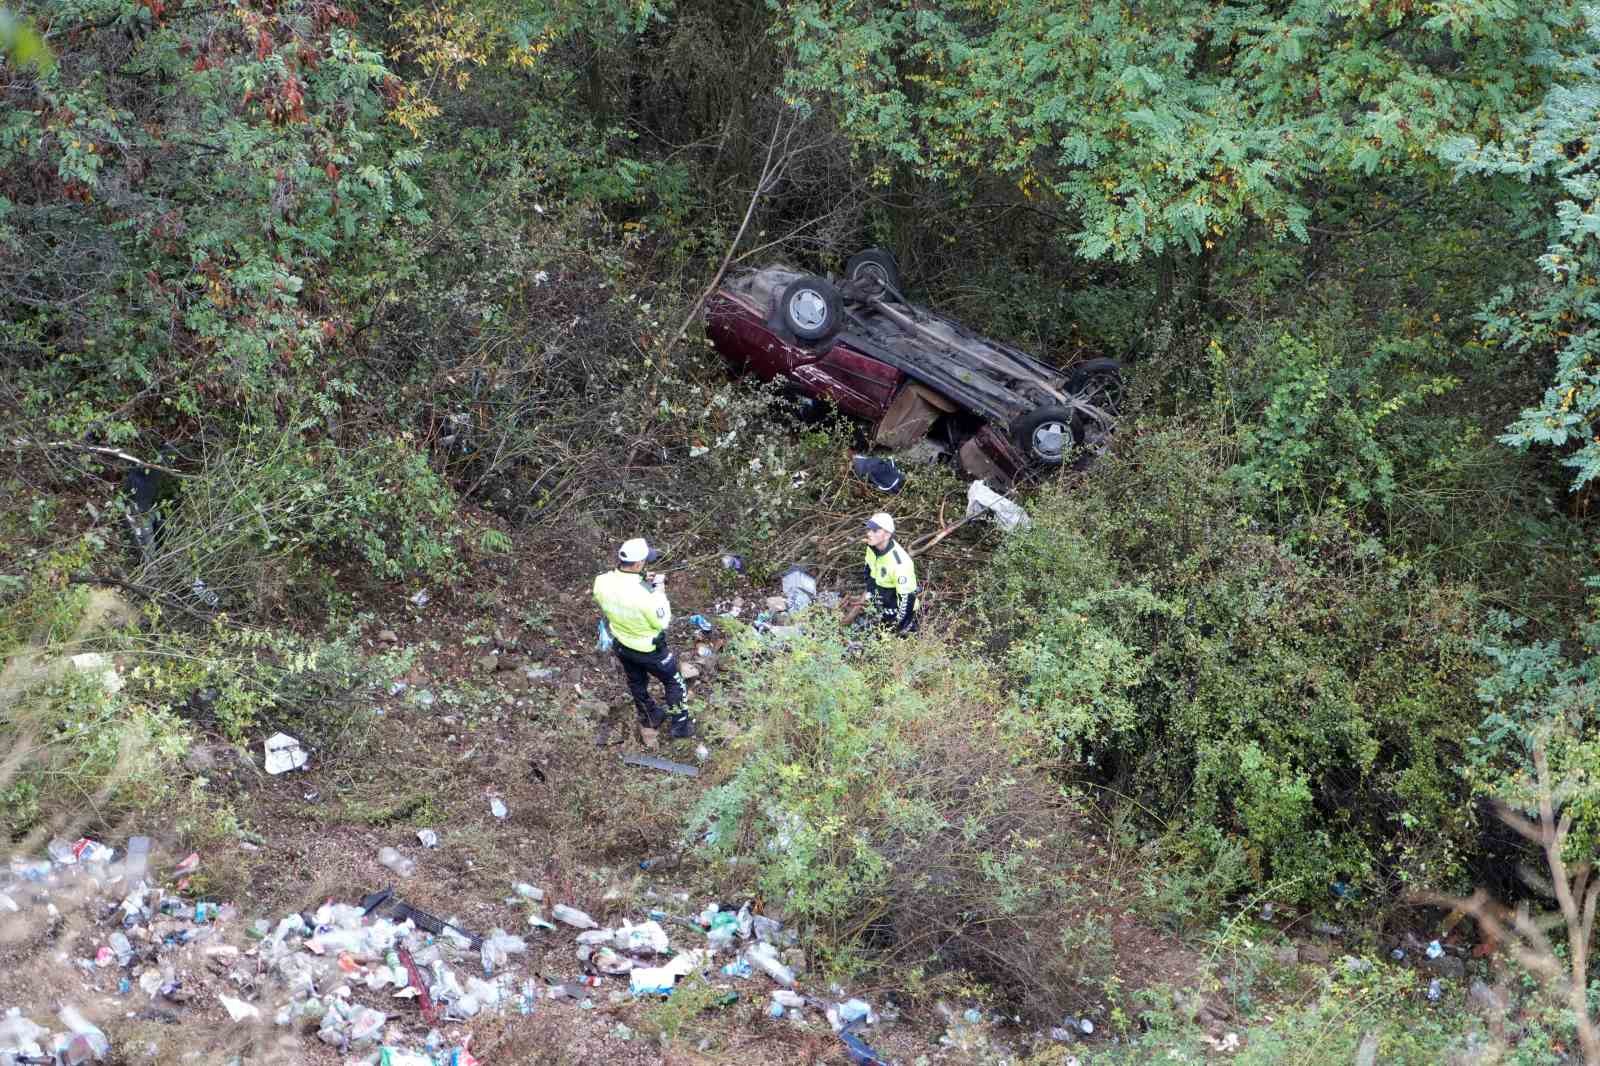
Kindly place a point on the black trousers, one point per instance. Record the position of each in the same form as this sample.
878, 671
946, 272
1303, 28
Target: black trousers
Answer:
885, 604
661, 664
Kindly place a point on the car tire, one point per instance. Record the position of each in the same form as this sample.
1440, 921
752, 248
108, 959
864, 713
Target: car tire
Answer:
810, 308
875, 263
1099, 381
1047, 435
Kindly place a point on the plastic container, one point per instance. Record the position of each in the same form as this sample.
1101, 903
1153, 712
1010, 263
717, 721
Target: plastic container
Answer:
400, 864
764, 957
573, 916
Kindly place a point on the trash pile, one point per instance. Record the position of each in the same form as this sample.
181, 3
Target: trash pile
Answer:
368, 978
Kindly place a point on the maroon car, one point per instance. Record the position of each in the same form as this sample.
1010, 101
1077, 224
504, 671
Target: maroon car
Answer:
863, 346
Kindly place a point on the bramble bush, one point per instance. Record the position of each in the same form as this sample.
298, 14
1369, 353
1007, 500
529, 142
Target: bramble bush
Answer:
874, 799
1299, 709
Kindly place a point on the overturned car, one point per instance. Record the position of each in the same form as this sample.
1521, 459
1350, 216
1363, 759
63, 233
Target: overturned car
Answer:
860, 344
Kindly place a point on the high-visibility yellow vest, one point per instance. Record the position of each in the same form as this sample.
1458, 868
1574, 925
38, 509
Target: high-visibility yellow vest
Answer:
893, 569
634, 611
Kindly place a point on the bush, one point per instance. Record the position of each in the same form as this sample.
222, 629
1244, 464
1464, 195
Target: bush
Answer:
875, 798
259, 513
1306, 704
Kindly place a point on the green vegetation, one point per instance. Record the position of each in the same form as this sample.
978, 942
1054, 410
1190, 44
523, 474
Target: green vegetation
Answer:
372, 298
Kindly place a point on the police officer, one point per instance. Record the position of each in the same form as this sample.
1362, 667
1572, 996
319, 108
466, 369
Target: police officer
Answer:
637, 613
891, 577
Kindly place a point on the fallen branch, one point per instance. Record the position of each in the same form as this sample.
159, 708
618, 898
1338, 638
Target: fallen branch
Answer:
769, 176
115, 453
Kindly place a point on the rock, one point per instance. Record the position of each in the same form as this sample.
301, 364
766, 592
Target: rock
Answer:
689, 671
1287, 955
777, 603
488, 664
1317, 954
1446, 966
388, 636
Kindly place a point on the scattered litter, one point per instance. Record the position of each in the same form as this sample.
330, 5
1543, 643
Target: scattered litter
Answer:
700, 622
573, 917
734, 563
239, 1010
1435, 949
527, 891
659, 980
497, 807
1435, 990
420, 598
189, 865
656, 762
283, 753
764, 957
1007, 515
859, 1052
602, 636
428, 838
799, 589
400, 864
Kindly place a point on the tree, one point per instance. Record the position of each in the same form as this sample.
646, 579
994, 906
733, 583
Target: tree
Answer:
1169, 125
1552, 149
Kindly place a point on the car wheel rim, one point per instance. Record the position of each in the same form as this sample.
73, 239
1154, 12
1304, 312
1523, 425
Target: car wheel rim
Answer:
1047, 438
808, 309
875, 271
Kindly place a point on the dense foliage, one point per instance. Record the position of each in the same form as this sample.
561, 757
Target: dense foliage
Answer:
331, 278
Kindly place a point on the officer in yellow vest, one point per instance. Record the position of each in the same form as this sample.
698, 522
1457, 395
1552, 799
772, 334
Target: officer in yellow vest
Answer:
891, 577
637, 613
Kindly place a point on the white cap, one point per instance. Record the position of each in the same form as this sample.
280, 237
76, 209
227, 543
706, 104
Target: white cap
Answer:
637, 550
882, 520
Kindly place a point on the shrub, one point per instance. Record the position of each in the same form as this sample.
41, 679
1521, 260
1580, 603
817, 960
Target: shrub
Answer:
258, 513
875, 798
1306, 704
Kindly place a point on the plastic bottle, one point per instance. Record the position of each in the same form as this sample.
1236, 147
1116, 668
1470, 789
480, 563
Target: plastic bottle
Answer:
573, 916
397, 862
765, 958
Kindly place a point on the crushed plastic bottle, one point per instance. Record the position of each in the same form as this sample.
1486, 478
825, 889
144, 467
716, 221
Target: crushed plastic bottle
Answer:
497, 807
764, 957
498, 947
400, 864
573, 917
1435, 949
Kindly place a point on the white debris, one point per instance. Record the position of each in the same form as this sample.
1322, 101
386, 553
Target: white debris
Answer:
1009, 516
283, 753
